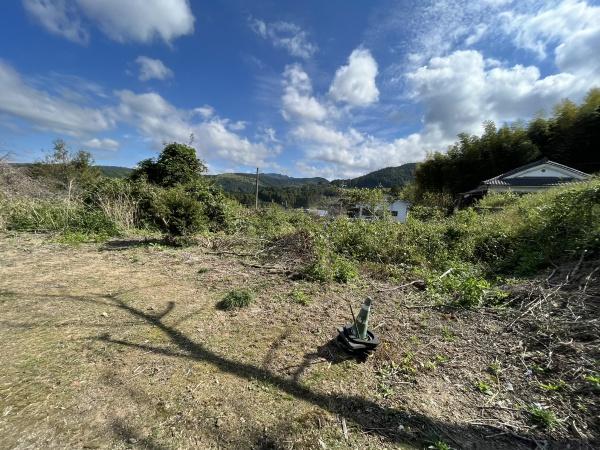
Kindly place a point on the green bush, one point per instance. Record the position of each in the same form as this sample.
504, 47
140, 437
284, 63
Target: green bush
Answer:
216, 208
331, 267
238, 298
498, 200
463, 286
177, 214
540, 229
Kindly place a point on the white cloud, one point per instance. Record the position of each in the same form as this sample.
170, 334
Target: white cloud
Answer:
537, 30
580, 53
123, 21
152, 69
237, 126
429, 28
58, 17
297, 100
355, 82
350, 153
102, 144
205, 111
285, 35
46, 111
459, 91
477, 34
160, 121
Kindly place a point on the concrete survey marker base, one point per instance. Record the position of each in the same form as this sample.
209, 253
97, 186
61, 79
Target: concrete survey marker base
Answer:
348, 340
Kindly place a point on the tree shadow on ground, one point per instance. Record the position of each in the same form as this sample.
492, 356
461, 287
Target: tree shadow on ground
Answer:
396, 426
126, 244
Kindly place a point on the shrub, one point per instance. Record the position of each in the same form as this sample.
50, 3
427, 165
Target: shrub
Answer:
498, 200
548, 226
330, 267
239, 298
218, 210
177, 214
463, 286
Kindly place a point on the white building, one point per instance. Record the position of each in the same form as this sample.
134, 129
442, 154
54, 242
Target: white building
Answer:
533, 177
398, 210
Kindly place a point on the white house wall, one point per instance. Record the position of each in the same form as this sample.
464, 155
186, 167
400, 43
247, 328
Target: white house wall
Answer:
546, 170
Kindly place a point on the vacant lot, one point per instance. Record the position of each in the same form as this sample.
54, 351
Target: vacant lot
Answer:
121, 345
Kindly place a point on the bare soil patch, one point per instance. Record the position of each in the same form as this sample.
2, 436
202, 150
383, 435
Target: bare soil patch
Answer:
121, 345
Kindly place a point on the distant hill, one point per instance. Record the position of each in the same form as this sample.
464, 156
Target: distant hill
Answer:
115, 171
245, 182
107, 171
387, 178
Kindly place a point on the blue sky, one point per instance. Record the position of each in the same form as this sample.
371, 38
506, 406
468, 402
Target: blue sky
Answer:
331, 88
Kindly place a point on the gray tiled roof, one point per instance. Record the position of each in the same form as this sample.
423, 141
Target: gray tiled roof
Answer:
502, 180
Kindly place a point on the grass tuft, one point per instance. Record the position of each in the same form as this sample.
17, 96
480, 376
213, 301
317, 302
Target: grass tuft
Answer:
235, 299
543, 417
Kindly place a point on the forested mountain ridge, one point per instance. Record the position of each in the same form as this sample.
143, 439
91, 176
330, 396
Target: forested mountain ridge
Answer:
387, 177
245, 182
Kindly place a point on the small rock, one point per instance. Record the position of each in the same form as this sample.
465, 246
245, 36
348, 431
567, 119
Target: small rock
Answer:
509, 387
132, 440
219, 423
104, 314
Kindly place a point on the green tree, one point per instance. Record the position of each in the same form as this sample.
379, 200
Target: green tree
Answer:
177, 164
68, 169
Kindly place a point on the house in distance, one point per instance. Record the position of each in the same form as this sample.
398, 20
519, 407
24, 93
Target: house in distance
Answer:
533, 177
398, 210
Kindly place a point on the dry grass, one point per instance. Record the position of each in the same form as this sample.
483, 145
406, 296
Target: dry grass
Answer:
122, 345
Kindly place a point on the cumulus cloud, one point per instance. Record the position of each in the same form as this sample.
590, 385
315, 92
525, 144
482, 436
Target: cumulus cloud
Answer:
580, 53
297, 100
286, 35
152, 69
334, 149
354, 83
47, 111
102, 144
123, 21
160, 121
346, 153
459, 91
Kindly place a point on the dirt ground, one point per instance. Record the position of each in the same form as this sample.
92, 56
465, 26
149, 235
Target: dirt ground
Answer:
121, 345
